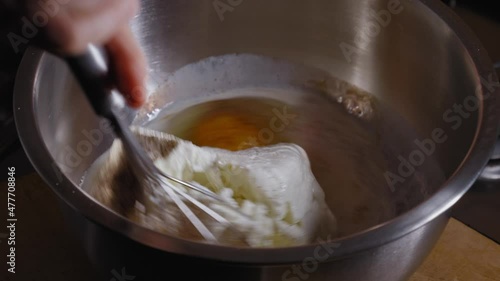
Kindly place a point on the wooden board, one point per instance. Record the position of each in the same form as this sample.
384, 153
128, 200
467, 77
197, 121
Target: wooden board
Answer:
461, 254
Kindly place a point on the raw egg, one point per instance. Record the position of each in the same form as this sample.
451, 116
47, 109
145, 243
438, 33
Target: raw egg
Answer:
226, 130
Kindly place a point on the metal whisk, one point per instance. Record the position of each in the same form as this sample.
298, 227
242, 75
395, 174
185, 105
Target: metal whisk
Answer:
91, 71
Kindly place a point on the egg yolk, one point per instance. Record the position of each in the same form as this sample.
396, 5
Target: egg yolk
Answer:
226, 130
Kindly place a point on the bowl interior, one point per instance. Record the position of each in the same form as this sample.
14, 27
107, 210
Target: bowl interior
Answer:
396, 57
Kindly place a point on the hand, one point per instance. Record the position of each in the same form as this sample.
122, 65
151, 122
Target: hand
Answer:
76, 23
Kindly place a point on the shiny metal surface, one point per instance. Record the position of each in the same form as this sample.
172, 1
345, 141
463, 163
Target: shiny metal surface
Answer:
420, 63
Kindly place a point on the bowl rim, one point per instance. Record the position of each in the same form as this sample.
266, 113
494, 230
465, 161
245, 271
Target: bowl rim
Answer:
456, 186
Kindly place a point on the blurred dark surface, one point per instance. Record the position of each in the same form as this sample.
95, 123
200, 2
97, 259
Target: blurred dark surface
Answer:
485, 8
11, 152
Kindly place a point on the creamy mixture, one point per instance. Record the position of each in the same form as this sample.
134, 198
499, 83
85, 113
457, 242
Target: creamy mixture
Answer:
276, 199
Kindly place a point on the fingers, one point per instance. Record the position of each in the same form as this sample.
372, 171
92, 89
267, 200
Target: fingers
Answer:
128, 66
79, 23
75, 24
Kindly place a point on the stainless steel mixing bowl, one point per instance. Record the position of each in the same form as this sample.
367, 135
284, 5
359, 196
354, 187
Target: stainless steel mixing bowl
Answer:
415, 57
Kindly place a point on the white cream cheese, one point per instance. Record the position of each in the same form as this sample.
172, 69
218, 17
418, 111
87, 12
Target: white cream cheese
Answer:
277, 198
274, 186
